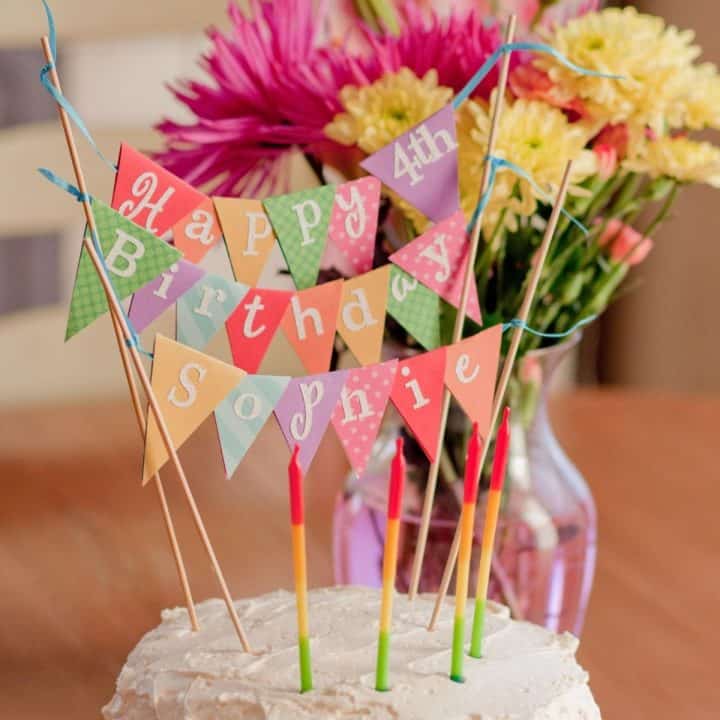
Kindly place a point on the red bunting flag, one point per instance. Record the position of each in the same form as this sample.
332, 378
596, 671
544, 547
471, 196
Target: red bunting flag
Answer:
149, 195
198, 232
417, 395
252, 325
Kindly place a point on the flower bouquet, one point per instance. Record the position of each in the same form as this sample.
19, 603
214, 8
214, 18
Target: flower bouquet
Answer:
337, 81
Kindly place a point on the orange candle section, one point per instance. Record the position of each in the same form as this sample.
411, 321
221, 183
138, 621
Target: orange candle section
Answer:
392, 534
297, 520
502, 445
467, 523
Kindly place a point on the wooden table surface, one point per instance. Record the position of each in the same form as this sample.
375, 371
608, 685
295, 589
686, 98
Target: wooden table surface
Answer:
86, 568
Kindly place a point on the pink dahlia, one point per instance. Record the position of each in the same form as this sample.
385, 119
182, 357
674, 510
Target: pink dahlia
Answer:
274, 85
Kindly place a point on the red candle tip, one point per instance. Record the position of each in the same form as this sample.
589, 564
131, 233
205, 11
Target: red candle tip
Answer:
397, 481
502, 445
472, 465
295, 479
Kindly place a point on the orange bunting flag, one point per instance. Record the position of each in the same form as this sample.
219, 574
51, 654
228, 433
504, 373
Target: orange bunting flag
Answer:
471, 372
417, 395
252, 325
198, 232
188, 385
361, 319
249, 236
309, 324
149, 195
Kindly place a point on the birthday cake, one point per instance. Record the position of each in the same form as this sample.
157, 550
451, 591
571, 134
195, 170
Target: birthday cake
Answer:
526, 673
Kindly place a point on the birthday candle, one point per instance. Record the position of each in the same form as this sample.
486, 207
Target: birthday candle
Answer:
297, 520
467, 523
491, 516
397, 481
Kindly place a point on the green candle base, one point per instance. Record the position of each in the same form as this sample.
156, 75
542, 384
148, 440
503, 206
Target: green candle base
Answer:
306, 678
382, 671
458, 650
478, 629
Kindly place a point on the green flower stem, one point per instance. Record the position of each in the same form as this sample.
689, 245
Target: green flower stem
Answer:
664, 211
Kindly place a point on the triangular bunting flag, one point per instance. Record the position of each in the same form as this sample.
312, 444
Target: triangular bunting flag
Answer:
202, 311
188, 385
309, 324
417, 395
358, 415
248, 234
198, 232
242, 414
471, 372
421, 165
361, 319
415, 307
149, 195
354, 221
133, 257
252, 325
305, 409
438, 258
300, 221
151, 300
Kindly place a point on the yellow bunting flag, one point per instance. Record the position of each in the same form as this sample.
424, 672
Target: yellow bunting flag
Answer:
249, 236
361, 318
189, 385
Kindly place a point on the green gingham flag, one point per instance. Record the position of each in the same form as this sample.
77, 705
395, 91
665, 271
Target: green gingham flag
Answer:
415, 307
300, 222
133, 257
244, 412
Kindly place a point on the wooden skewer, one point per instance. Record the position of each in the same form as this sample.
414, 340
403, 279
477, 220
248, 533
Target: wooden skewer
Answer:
460, 318
507, 371
134, 356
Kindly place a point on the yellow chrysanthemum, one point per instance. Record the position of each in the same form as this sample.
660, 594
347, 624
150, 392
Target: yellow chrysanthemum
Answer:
534, 136
697, 104
376, 114
680, 158
653, 59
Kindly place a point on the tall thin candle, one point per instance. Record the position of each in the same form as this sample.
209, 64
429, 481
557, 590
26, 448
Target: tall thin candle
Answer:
491, 515
392, 534
467, 523
297, 520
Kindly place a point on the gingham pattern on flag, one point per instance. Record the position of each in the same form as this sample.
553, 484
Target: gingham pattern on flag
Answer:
303, 260
88, 300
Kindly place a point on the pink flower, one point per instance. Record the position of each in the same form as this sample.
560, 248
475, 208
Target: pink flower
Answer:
607, 158
530, 83
625, 244
614, 136
274, 87
559, 13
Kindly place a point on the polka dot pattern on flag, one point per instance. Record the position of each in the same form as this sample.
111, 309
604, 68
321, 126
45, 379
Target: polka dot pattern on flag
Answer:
357, 419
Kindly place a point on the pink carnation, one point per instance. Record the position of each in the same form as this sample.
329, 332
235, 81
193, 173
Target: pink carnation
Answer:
624, 243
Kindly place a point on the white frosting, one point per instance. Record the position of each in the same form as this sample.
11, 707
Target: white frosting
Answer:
528, 673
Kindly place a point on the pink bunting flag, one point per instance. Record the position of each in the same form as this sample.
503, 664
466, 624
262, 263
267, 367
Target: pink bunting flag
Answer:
438, 259
354, 221
421, 165
198, 232
471, 372
252, 325
149, 195
358, 415
417, 395
151, 300
305, 409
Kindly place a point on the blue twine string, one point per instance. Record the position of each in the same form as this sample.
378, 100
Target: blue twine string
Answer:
488, 65
518, 323
134, 339
498, 163
59, 98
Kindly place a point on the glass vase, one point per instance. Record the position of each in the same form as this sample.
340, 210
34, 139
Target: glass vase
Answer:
544, 556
